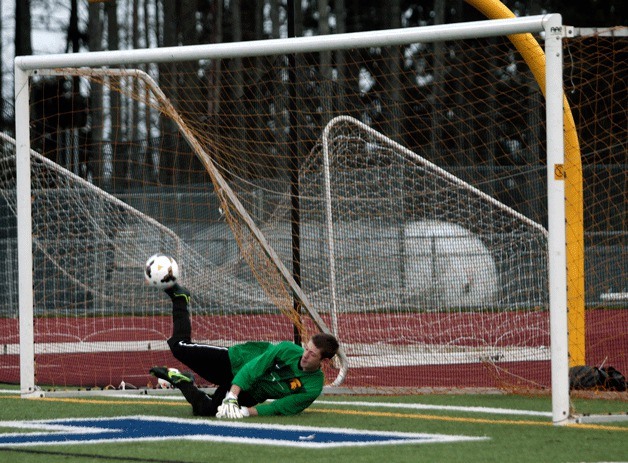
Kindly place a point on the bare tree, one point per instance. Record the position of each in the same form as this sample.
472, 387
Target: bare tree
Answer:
323, 29
436, 98
135, 106
120, 157
213, 106
325, 65
23, 45
2, 127
341, 28
392, 70
167, 82
274, 18
236, 22
95, 159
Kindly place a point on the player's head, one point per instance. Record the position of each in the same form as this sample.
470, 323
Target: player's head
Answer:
320, 347
326, 343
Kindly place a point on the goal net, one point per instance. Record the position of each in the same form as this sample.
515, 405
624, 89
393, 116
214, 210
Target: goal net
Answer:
396, 195
423, 269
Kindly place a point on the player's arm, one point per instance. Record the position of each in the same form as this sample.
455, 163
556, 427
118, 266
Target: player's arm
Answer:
245, 378
289, 405
235, 390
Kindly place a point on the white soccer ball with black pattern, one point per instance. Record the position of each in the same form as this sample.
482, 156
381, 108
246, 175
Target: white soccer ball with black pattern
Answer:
161, 271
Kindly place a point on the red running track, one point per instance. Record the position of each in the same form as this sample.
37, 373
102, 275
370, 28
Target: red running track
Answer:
606, 342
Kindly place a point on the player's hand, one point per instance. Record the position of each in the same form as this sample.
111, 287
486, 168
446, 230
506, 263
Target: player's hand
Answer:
225, 412
229, 411
230, 408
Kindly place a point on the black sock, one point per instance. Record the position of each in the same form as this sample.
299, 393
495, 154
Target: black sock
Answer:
181, 325
202, 404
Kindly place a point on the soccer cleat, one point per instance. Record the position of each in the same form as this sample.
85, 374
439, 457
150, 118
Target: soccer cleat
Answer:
177, 291
172, 375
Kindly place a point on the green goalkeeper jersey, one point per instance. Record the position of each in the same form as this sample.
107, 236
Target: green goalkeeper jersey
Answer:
271, 371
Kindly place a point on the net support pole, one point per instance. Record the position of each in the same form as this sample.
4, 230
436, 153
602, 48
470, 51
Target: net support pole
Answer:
293, 154
554, 33
24, 233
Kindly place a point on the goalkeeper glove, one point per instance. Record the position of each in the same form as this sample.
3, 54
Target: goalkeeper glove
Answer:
230, 408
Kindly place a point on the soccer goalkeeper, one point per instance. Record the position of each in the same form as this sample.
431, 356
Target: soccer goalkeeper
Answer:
246, 375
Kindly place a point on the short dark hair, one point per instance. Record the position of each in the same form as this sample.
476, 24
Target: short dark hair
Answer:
326, 343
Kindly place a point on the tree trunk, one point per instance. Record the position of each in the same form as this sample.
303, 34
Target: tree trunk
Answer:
95, 157
167, 82
341, 28
392, 84
135, 104
2, 126
325, 64
436, 98
23, 44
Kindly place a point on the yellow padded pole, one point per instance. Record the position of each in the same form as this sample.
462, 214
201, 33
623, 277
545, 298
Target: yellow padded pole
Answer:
534, 57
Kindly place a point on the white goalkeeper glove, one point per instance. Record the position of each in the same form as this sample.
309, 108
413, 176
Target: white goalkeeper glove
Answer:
231, 409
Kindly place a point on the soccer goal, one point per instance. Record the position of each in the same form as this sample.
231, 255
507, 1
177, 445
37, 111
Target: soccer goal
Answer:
390, 198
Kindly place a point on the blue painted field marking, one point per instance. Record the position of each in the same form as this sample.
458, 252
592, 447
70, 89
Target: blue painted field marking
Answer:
151, 428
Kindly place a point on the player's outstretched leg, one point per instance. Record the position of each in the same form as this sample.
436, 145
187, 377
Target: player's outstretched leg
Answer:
202, 404
181, 325
210, 362
172, 375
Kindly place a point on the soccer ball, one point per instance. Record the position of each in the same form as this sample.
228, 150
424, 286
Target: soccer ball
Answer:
161, 271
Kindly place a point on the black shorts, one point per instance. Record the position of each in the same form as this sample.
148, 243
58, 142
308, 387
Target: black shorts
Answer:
209, 362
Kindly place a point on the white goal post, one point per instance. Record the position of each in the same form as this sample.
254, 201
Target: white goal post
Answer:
550, 25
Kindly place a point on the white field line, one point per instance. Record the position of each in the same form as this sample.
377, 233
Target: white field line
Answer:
453, 408
350, 403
